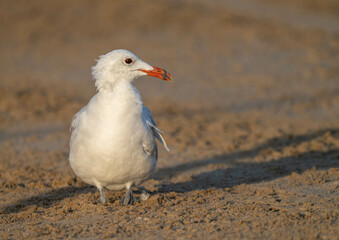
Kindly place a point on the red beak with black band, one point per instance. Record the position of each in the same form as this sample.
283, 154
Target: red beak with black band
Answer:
159, 73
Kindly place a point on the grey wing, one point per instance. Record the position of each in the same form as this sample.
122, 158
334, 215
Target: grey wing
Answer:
151, 149
74, 124
155, 131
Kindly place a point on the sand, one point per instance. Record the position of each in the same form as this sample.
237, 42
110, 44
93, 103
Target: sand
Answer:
251, 119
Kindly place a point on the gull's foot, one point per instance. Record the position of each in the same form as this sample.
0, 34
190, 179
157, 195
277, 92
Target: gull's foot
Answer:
128, 198
103, 199
144, 195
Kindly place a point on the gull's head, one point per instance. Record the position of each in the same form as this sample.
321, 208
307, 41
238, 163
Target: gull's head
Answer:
122, 65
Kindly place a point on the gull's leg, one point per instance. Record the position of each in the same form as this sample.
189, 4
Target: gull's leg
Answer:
128, 198
102, 195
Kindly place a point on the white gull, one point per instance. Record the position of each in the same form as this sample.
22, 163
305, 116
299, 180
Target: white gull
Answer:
113, 143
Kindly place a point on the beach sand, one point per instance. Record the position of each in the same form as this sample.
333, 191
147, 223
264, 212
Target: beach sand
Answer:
252, 119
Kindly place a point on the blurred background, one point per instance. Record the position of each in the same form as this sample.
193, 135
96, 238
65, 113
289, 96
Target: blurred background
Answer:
251, 119
237, 55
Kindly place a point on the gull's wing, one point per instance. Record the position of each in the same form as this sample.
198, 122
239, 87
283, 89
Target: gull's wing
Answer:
74, 123
146, 113
75, 119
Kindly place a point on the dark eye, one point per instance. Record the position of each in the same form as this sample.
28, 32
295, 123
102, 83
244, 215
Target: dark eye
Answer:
128, 60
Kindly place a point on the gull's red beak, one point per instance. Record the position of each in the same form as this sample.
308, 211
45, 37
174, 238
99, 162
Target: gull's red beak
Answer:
159, 73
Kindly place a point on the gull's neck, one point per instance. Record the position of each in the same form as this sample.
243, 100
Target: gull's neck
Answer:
122, 91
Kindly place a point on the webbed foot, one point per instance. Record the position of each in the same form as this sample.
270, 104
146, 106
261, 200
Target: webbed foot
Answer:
144, 195
128, 198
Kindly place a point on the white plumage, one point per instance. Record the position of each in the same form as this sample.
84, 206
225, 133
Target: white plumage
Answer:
113, 143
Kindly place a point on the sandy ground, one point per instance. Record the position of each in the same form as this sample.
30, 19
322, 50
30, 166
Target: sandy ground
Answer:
252, 119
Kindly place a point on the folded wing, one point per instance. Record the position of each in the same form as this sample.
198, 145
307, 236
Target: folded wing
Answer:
155, 131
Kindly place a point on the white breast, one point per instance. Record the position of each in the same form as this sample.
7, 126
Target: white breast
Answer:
109, 137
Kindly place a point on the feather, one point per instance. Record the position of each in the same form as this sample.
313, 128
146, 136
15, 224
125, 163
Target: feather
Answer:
156, 131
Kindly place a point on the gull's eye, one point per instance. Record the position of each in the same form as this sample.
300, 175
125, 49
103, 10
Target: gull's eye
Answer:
128, 60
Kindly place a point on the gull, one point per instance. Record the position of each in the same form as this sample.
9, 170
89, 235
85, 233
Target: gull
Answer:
112, 143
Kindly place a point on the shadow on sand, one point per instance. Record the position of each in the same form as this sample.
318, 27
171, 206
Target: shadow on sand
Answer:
239, 173
255, 171
47, 199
